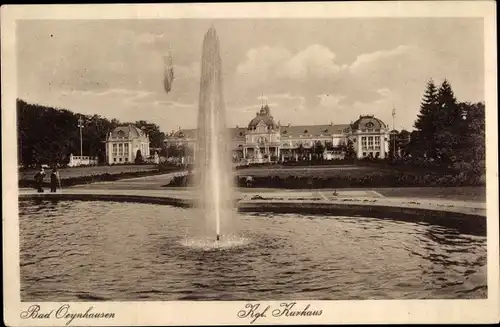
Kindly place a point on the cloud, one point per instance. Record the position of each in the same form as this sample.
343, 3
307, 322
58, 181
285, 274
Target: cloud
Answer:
174, 104
266, 64
315, 61
368, 60
311, 86
262, 65
314, 71
385, 92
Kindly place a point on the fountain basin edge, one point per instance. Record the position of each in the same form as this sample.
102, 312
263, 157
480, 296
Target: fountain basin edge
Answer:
470, 220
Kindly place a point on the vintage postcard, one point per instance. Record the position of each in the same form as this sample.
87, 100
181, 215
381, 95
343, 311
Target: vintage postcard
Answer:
247, 164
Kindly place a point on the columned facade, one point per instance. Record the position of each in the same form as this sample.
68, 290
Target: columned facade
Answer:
371, 137
123, 144
265, 140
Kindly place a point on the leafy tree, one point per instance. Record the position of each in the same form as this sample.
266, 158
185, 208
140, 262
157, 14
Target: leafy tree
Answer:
450, 126
414, 148
318, 149
156, 137
301, 151
474, 143
350, 153
329, 145
173, 151
393, 144
403, 140
49, 135
138, 157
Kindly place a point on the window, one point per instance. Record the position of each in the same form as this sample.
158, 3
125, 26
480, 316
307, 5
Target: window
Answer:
370, 142
126, 159
363, 142
377, 142
126, 149
114, 159
364, 154
120, 159
120, 149
115, 151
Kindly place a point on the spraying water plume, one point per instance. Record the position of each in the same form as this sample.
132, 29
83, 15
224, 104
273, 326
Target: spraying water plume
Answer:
213, 152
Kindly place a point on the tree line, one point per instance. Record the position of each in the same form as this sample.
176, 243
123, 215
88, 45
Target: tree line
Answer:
446, 133
48, 135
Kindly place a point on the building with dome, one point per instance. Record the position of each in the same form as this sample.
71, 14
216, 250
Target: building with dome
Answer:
265, 140
123, 143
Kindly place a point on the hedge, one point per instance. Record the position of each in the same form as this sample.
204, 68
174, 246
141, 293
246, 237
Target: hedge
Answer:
378, 179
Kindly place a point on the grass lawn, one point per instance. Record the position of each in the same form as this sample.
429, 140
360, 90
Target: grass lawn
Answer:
309, 171
86, 171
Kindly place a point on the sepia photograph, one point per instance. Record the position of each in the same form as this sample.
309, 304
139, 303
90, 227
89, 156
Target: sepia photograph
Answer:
249, 166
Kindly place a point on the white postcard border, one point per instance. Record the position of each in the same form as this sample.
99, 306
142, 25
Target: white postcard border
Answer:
226, 312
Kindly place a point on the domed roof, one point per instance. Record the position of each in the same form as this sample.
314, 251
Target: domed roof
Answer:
263, 115
368, 122
127, 131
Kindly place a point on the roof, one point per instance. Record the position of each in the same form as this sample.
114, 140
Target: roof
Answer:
264, 115
238, 133
314, 130
184, 133
127, 131
235, 133
368, 122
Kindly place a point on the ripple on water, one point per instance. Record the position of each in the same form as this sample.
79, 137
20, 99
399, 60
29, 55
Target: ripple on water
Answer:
226, 242
100, 251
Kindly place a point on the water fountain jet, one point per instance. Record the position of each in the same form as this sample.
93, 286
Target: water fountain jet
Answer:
213, 152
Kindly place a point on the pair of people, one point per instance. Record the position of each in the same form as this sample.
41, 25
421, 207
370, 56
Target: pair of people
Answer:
54, 180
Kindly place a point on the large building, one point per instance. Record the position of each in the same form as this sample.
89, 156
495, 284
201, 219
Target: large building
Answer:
123, 144
264, 140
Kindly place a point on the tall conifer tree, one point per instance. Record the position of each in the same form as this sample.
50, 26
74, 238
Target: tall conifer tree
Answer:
449, 125
426, 121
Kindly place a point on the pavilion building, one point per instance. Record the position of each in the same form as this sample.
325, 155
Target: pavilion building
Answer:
265, 140
123, 144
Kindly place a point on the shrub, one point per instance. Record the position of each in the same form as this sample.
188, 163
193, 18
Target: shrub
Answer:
105, 177
376, 179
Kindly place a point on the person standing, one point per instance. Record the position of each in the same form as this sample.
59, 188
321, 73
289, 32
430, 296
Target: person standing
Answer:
39, 177
54, 180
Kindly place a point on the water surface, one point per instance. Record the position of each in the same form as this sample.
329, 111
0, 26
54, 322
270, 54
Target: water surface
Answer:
77, 251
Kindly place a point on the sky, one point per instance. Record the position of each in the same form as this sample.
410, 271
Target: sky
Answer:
309, 71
